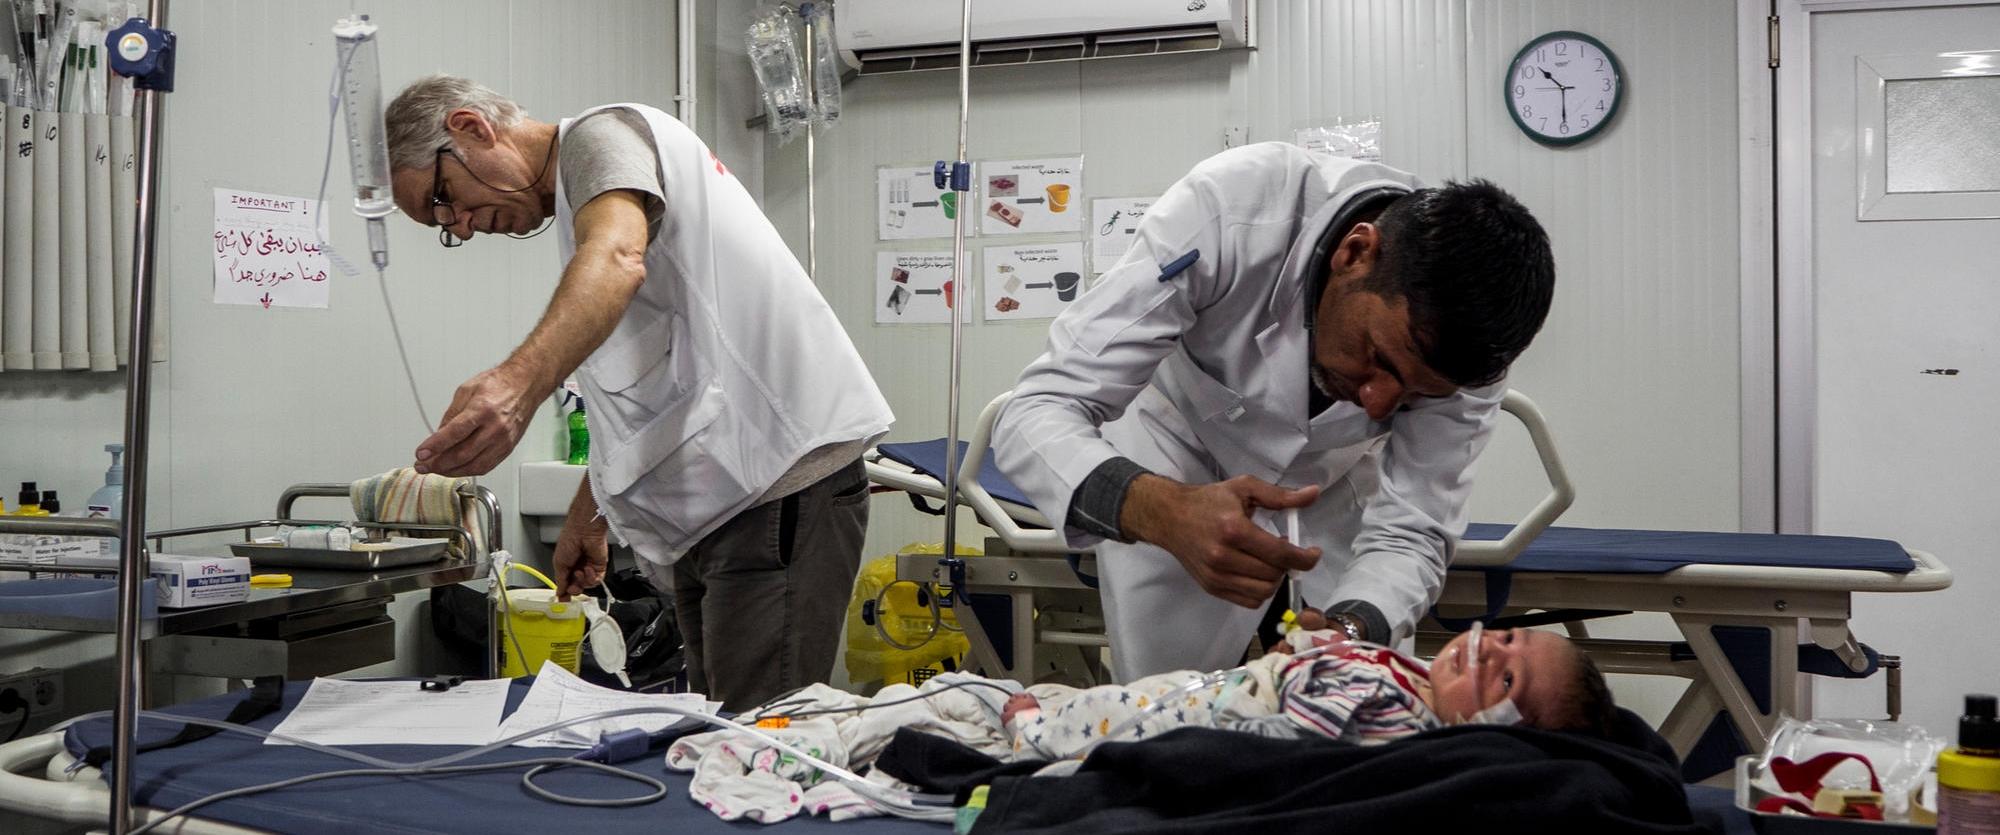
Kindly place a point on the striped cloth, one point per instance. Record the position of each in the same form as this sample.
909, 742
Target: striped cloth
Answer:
407, 496
1360, 694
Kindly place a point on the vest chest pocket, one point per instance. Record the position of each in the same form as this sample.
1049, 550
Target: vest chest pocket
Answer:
635, 349
658, 392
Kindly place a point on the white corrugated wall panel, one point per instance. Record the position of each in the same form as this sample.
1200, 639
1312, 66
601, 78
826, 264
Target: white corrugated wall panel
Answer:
1638, 365
1399, 61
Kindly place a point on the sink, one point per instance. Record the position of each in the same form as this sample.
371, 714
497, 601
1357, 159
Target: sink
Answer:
546, 489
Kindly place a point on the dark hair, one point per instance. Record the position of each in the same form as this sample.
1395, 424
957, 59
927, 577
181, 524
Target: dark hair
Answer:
1590, 709
1475, 269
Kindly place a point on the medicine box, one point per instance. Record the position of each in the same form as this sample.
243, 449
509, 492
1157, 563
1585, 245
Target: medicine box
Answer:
186, 582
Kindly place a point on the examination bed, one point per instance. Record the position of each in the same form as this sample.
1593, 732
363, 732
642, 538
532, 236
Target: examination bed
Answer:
32, 783
1754, 610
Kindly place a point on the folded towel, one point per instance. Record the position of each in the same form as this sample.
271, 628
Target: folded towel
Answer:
407, 496
322, 537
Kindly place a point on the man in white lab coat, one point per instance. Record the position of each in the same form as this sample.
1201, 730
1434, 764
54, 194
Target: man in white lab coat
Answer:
1290, 330
727, 408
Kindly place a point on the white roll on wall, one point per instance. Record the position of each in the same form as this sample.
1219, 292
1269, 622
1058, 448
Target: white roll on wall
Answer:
97, 206
47, 270
74, 231
6, 113
17, 270
17, 243
124, 208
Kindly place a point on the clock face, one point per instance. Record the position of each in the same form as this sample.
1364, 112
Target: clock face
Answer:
1563, 88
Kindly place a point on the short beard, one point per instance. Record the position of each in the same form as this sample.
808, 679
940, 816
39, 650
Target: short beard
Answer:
1319, 381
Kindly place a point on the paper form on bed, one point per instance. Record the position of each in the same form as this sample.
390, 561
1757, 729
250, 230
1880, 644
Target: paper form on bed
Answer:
559, 695
336, 712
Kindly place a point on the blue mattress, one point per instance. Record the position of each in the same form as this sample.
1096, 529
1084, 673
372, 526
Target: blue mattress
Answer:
1569, 550
927, 457
1614, 551
493, 802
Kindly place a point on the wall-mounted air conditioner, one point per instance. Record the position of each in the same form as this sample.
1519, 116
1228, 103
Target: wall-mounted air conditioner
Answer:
881, 36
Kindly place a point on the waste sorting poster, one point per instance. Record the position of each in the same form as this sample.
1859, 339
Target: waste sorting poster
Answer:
1032, 281
1028, 196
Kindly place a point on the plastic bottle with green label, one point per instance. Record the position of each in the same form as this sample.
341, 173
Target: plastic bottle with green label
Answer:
579, 435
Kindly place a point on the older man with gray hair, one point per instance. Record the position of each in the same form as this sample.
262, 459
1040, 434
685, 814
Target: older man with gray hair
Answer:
728, 410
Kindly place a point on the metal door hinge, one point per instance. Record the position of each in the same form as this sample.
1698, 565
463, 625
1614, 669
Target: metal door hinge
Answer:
1771, 32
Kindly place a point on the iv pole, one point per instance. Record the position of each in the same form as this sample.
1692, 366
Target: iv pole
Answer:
961, 176
145, 53
810, 73
812, 197
142, 51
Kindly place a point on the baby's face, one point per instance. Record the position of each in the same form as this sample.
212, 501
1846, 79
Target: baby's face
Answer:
1533, 668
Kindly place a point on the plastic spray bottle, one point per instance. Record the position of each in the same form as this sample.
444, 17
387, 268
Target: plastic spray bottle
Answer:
109, 500
579, 435
1968, 776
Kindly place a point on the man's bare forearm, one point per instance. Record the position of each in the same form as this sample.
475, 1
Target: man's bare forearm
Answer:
583, 514
595, 290
598, 283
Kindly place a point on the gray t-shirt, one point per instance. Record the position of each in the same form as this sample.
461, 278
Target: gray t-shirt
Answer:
613, 149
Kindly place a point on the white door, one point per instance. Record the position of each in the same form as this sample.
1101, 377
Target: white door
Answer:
1895, 387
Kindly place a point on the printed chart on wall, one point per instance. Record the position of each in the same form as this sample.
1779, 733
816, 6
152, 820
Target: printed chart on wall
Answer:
266, 252
1031, 195
1114, 223
909, 206
915, 288
1032, 281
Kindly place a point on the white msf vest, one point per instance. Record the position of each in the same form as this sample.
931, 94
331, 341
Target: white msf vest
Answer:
726, 369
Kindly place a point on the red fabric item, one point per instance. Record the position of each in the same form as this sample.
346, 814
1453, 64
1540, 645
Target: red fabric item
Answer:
1774, 805
1805, 777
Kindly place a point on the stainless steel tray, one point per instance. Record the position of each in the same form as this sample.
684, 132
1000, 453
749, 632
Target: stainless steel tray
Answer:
404, 552
1747, 795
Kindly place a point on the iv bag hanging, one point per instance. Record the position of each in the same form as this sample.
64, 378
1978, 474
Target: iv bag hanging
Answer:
796, 92
825, 64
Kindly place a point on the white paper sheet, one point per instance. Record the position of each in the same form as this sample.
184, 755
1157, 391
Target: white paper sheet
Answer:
909, 207
1032, 281
558, 695
1027, 196
266, 251
913, 288
1114, 223
336, 712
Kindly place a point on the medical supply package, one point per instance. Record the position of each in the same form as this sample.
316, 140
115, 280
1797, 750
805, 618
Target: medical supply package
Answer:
186, 582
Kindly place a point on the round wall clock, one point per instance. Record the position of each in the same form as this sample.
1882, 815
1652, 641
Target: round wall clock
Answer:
1563, 88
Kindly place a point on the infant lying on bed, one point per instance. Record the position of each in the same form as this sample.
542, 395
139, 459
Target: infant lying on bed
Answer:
1354, 692
1358, 693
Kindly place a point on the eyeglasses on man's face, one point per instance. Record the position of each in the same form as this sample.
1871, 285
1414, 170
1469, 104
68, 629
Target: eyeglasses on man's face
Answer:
442, 211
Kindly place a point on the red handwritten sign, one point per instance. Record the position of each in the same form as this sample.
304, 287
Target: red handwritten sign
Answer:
267, 252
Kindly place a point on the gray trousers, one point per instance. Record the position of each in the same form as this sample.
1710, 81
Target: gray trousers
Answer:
761, 600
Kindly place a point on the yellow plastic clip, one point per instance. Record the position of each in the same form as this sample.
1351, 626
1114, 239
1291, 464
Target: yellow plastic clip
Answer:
775, 722
270, 581
1291, 621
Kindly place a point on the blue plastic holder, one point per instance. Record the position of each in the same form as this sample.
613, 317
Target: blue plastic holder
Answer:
955, 175
142, 53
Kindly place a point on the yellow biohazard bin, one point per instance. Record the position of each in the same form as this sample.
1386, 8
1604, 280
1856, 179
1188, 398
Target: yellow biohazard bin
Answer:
904, 613
535, 627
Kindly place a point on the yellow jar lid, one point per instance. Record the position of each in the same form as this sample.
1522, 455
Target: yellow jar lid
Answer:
1964, 771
